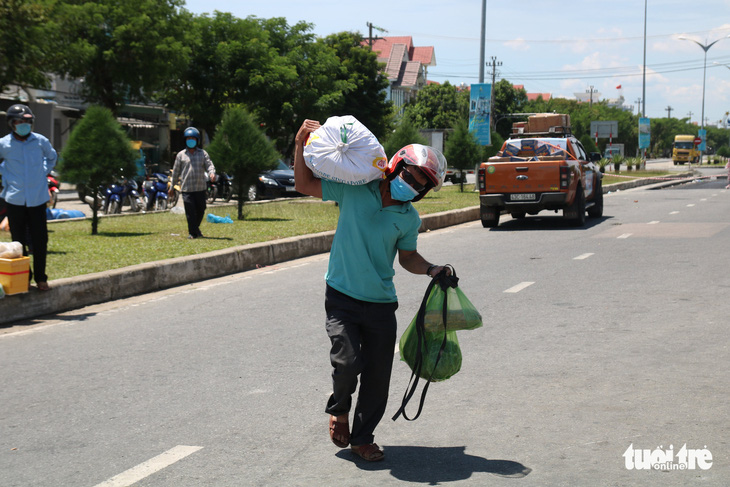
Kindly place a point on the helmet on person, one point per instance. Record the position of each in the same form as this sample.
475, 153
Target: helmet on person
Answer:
429, 160
19, 112
192, 132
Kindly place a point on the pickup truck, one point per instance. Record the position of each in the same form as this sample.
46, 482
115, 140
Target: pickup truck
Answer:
540, 171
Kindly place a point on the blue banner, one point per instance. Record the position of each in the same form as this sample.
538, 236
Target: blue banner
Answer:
644, 133
480, 107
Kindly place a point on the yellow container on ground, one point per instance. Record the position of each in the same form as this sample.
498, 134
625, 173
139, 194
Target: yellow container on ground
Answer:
14, 275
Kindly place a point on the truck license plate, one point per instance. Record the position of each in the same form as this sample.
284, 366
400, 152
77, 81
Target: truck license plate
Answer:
522, 197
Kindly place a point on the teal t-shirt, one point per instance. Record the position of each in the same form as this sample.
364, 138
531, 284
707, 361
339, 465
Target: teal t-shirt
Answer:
367, 239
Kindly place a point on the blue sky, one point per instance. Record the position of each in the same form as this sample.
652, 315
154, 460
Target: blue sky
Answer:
548, 46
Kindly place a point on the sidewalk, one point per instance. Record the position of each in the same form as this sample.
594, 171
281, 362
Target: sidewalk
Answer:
80, 291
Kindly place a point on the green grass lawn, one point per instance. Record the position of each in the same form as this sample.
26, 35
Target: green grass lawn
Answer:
136, 239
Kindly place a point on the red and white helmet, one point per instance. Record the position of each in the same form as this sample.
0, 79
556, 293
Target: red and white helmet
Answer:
429, 160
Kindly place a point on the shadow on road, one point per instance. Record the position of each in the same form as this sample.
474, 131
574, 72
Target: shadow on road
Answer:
434, 465
540, 222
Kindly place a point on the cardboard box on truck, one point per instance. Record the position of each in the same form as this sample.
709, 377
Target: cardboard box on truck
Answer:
543, 122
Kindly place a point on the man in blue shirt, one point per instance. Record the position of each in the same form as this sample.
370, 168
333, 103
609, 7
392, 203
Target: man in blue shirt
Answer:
376, 222
28, 159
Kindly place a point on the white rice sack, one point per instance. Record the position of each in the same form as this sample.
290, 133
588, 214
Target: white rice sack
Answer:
345, 151
11, 250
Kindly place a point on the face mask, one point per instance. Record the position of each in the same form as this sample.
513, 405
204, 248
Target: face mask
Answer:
22, 129
401, 191
191, 143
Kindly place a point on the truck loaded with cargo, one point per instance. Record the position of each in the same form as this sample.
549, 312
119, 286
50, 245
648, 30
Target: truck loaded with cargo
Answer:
541, 167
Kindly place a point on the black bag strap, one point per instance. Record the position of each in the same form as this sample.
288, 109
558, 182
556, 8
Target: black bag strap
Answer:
444, 282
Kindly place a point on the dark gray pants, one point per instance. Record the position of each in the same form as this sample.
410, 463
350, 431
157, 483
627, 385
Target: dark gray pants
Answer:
363, 343
28, 226
194, 204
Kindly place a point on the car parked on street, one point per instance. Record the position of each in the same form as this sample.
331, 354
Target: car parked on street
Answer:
276, 183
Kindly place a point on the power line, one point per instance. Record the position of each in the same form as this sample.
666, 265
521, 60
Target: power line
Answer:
616, 72
556, 41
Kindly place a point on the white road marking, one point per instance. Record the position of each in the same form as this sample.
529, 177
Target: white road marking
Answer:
153, 465
703, 199
673, 212
583, 256
519, 287
690, 205
625, 235
653, 222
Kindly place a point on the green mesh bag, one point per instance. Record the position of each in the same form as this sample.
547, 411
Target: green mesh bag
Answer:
429, 345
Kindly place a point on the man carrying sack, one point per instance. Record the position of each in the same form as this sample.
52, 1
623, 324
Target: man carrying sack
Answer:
376, 221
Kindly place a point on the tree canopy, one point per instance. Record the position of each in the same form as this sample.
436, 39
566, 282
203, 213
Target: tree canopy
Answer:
437, 107
25, 43
97, 154
124, 51
241, 149
462, 149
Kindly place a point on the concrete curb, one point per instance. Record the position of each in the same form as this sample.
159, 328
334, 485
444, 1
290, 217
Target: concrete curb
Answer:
77, 292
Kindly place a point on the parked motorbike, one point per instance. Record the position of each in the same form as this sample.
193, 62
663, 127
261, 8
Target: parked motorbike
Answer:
211, 191
123, 192
224, 183
53, 188
156, 192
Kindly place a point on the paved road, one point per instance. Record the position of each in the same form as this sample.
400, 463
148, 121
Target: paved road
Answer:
596, 340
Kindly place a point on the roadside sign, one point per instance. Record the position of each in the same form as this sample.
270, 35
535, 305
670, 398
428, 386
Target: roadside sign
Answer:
698, 140
644, 133
480, 107
604, 129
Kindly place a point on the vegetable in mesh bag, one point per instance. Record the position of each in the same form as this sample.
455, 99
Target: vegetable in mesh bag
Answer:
345, 151
461, 314
432, 367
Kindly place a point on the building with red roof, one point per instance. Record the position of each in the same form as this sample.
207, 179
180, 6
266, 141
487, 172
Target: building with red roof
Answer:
406, 65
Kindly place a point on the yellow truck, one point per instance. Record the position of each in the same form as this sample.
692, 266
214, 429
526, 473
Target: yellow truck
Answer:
685, 150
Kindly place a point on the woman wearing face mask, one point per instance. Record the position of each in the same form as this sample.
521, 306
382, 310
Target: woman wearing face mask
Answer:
28, 159
191, 166
376, 222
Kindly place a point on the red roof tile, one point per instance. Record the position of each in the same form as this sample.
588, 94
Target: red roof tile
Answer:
424, 55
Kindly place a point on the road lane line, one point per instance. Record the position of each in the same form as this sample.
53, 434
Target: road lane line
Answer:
519, 287
153, 465
583, 256
673, 212
690, 205
653, 222
625, 235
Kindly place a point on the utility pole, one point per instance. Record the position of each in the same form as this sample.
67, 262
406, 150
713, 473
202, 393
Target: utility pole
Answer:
370, 33
493, 65
669, 111
643, 82
690, 116
638, 102
591, 91
483, 41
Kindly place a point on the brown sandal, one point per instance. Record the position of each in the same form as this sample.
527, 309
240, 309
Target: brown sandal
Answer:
370, 452
339, 430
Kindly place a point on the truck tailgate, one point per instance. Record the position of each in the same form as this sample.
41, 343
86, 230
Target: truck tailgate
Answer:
521, 177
